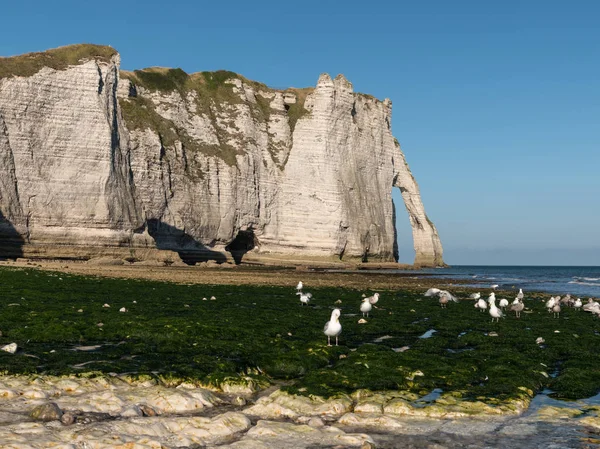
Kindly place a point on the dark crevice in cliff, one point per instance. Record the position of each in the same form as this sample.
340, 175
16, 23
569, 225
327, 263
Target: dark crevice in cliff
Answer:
190, 250
11, 241
353, 112
100, 81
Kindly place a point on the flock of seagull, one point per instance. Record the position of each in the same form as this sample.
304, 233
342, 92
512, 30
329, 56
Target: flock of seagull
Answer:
553, 305
333, 327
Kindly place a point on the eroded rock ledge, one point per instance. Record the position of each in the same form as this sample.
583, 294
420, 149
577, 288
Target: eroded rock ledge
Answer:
210, 165
126, 412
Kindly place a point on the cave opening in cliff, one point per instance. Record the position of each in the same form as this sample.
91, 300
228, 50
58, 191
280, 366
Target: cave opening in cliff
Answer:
243, 242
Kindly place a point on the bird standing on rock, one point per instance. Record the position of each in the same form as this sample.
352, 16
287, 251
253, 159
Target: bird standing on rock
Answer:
333, 327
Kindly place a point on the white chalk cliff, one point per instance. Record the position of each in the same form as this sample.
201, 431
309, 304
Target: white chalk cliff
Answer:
92, 158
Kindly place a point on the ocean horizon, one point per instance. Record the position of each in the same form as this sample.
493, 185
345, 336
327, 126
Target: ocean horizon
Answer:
579, 281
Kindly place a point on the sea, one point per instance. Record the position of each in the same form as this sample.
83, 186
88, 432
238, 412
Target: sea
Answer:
583, 282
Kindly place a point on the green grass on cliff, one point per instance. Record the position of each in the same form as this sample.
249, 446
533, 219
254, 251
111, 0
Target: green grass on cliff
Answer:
215, 98
57, 58
169, 330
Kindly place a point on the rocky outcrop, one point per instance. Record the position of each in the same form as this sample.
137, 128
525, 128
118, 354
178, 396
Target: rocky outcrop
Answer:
201, 164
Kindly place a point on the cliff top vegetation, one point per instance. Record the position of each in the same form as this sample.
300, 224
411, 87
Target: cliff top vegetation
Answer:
57, 58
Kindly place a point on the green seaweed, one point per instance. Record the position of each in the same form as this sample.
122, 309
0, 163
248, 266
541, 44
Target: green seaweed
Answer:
262, 333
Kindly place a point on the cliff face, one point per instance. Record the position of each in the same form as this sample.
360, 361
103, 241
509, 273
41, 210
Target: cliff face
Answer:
200, 164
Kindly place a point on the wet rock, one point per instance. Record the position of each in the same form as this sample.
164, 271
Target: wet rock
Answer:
67, 418
371, 421
92, 417
559, 412
147, 410
316, 422
239, 401
277, 435
46, 412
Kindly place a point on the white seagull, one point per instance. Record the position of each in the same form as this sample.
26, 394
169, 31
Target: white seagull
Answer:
481, 304
503, 303
495, 286
333, 327
475, 295
373, 299
432, 291
304, 297
495, 312
520, 295
299, 286
578, 304
365, 307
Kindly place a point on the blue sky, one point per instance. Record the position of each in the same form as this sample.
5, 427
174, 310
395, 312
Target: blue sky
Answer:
496, 104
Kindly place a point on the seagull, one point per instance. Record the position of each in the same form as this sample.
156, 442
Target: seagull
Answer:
373, 299
365, 307
475, 295
436, 291
299, 286
578, 304
591, 306
304, 298
550, 303
503, 303
520, 295
556, 310
481, 304
495, 312
495, 286
333, 327
432, 291
517, 307
447, 296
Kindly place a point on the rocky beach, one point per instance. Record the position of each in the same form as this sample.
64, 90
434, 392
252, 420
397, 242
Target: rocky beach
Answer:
104, 398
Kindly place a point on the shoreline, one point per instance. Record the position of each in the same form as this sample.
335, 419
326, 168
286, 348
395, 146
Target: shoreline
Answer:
246, 416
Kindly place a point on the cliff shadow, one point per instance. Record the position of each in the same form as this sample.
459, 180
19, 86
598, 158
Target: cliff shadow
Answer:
243, 242
190, 250
11, 241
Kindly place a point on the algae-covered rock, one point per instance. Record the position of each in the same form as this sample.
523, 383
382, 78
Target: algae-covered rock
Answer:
280, 404
371, 420
46, 412
398, 407
559, 412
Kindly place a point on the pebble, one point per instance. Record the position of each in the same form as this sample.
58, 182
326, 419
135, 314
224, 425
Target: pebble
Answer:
11, 347
147, 410
238, 400
67, 419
